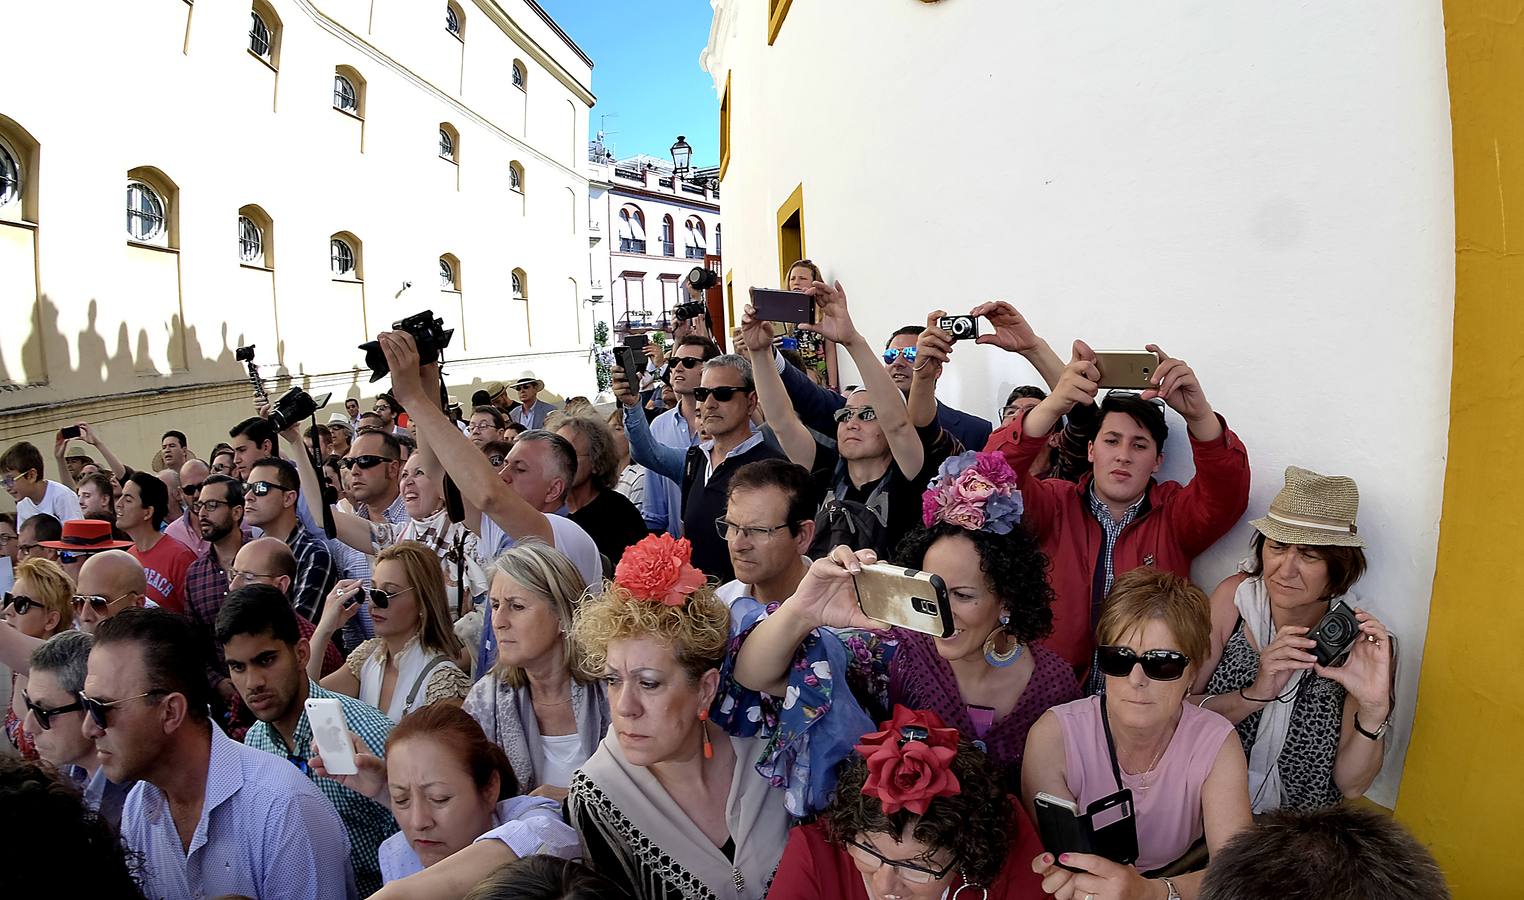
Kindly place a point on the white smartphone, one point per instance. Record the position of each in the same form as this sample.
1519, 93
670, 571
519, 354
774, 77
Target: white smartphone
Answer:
326, 717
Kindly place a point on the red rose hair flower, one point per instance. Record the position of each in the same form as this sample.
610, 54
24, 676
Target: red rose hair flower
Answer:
910, 761
658, 569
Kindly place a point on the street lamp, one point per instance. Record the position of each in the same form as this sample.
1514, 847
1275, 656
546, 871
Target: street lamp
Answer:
682, 154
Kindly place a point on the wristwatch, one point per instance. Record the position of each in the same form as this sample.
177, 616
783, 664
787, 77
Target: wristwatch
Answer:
1376, 735
1174, 892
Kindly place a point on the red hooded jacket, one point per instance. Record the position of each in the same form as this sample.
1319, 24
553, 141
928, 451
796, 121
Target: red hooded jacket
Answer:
1175, 524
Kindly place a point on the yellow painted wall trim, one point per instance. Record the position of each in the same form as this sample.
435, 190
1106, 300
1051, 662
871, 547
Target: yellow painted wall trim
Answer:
725, 128
779, 12
1461, 787
793, 205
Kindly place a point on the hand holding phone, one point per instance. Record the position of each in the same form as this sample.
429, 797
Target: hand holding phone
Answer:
1131, 370
69, 432
1105, 828
783, 306
908, 598
331, 734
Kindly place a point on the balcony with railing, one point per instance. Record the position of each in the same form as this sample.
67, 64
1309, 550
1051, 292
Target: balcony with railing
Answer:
630, 245
694, 252
666, 248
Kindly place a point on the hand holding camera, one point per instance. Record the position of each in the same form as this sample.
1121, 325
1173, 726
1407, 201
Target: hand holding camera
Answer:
756, 332
404, 365
1289, 652
934, 347
832, 320
1361, 661
1011, 330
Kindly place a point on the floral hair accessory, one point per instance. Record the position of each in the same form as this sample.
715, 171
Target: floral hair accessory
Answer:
973, 490
910, 761
657, 569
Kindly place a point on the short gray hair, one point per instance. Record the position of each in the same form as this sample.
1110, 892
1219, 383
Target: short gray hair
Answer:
67, 656
562, 454
734, 361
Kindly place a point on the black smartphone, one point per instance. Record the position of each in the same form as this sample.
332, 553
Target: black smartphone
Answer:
633, 361
1107, 828
783, 306
636, 341
71, 431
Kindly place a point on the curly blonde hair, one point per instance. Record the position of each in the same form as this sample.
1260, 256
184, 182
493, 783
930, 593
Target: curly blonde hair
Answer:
698, 631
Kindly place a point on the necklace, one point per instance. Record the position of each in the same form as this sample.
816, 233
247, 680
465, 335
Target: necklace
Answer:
553, 702
1144, 783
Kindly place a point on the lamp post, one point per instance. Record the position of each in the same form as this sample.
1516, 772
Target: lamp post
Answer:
682, 154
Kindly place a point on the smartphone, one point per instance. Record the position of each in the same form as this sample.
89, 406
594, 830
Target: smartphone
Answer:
1129, 369
331, 734
634, 362
636, 341
1105, 829
783, 306
908, 598
71, 431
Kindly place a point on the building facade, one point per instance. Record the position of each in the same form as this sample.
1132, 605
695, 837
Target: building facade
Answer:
649, 230
1333, 263
373, 158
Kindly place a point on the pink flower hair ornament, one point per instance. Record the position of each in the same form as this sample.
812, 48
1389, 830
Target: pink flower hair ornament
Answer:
973, 490
658, 569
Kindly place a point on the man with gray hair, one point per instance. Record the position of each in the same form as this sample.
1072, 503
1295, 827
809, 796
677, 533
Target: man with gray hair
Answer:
55, 720
724, 403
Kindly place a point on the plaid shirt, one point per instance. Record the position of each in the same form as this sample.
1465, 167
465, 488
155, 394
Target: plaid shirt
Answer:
367, 822
206, 586
1111, 529
315, 574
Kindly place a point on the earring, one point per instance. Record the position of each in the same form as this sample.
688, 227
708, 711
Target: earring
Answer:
704, 726
992, 653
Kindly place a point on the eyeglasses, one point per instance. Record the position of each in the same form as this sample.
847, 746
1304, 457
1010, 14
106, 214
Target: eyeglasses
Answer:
495, 460
730, 530
10, 480
6, 539
242, 577
97, 602
479, 427
98, 709
261, 488
1158, 665
869, 861
864, 413
26, 550
212, 506
43, 715
191, 490
1134, 395
22, 604
688, 362
70, 557
892, 354
722, 394
381, 599
368, 461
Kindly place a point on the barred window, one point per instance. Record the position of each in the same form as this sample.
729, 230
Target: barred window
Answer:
259, 36
251, 241
342, 257
145, 212
344, 96
10, 177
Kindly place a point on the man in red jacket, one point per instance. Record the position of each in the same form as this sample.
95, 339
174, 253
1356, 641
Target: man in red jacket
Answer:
1118, 517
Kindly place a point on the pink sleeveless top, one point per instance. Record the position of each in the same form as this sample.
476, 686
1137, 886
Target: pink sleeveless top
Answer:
1167, 801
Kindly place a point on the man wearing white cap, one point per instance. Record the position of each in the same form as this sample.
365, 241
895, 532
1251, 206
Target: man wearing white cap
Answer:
532, 411
340, 433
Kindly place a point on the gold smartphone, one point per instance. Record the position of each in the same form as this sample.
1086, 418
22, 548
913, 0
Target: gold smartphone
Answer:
908, 598
1129, 369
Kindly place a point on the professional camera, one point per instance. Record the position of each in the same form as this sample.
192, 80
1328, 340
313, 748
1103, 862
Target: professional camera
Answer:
244, 354
960, 327
1335, 634
428, 333
295, 405
685, 311
702, 278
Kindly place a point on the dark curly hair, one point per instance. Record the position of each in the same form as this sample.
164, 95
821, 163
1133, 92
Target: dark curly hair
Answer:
976, 824
1017, 571
36, 803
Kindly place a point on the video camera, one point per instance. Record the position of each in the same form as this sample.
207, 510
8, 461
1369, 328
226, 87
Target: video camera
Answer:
428, 333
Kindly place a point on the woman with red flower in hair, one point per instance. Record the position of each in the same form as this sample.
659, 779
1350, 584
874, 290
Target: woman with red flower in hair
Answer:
668, 804
918, 813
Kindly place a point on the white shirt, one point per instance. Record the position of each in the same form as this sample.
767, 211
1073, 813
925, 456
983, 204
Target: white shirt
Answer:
568, 537
57, 501
527, 825
563, 756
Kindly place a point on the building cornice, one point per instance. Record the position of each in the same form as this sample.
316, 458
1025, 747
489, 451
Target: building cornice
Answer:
496, 13
674, 199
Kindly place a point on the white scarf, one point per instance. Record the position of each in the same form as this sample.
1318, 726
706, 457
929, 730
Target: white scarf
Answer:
410, 663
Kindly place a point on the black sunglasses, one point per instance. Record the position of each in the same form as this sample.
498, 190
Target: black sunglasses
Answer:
722, 394
261, 488
381, 599
43, 715
1158, 665
23, 604
70, 557
367, 461
190, 490
688, 362
100, 709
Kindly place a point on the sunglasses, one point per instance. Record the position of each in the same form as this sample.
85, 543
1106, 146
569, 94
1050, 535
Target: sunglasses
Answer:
261, 488
1134, 395
892, 354
191, 490
869, 861
495, 460
99, 709
43, 715
688, 362
70, 557
22, 604
381, 599
97, 601
1158, 665
722, 394
864, 413
367, 461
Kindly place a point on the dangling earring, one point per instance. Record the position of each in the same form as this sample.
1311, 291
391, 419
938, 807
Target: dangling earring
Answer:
704, 727
992, 653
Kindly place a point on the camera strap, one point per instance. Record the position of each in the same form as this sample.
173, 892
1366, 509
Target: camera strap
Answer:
1111, 746
314, 454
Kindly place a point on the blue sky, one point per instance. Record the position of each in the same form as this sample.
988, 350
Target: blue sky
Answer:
646, 73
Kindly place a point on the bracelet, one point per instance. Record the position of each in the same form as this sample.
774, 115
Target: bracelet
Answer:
1204, 699
1254, 699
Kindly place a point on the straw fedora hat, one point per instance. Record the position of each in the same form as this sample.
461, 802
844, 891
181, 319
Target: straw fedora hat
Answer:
1313, 509
527, 377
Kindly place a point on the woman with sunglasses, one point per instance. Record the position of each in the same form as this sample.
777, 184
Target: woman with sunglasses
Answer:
412, 661
1182, 765
37, 605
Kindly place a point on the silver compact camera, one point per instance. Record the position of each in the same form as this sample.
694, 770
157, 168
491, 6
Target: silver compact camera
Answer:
960, 327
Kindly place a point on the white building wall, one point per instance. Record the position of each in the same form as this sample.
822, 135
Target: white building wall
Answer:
174, 87
1262, 189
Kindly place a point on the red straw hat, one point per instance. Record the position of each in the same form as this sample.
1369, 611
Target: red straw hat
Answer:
86, 534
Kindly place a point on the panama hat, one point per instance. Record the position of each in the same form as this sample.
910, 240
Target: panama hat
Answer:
87, 535
339, 418
527, 377
1313, 509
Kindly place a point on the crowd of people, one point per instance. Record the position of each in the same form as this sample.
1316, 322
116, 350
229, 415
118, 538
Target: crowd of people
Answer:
621, 652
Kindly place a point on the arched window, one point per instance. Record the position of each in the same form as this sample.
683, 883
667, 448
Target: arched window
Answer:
264, 33
348, 91
255, 238
18, 168
455, 20
449, 273
632, 229
449, 142
344, 257
520, 78
151, 208
516, 176
10, 176
520, 285
667, 248
694, 239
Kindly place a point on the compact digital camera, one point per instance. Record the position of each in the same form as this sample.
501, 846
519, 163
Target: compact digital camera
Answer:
1335, 634
960, 327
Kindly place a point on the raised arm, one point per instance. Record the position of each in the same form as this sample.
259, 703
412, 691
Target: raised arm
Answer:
88, 435
1013, 332
644, 448
1079, 383
932, 350
349, 528
479, 484
757, 337
835, 323
60, 450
